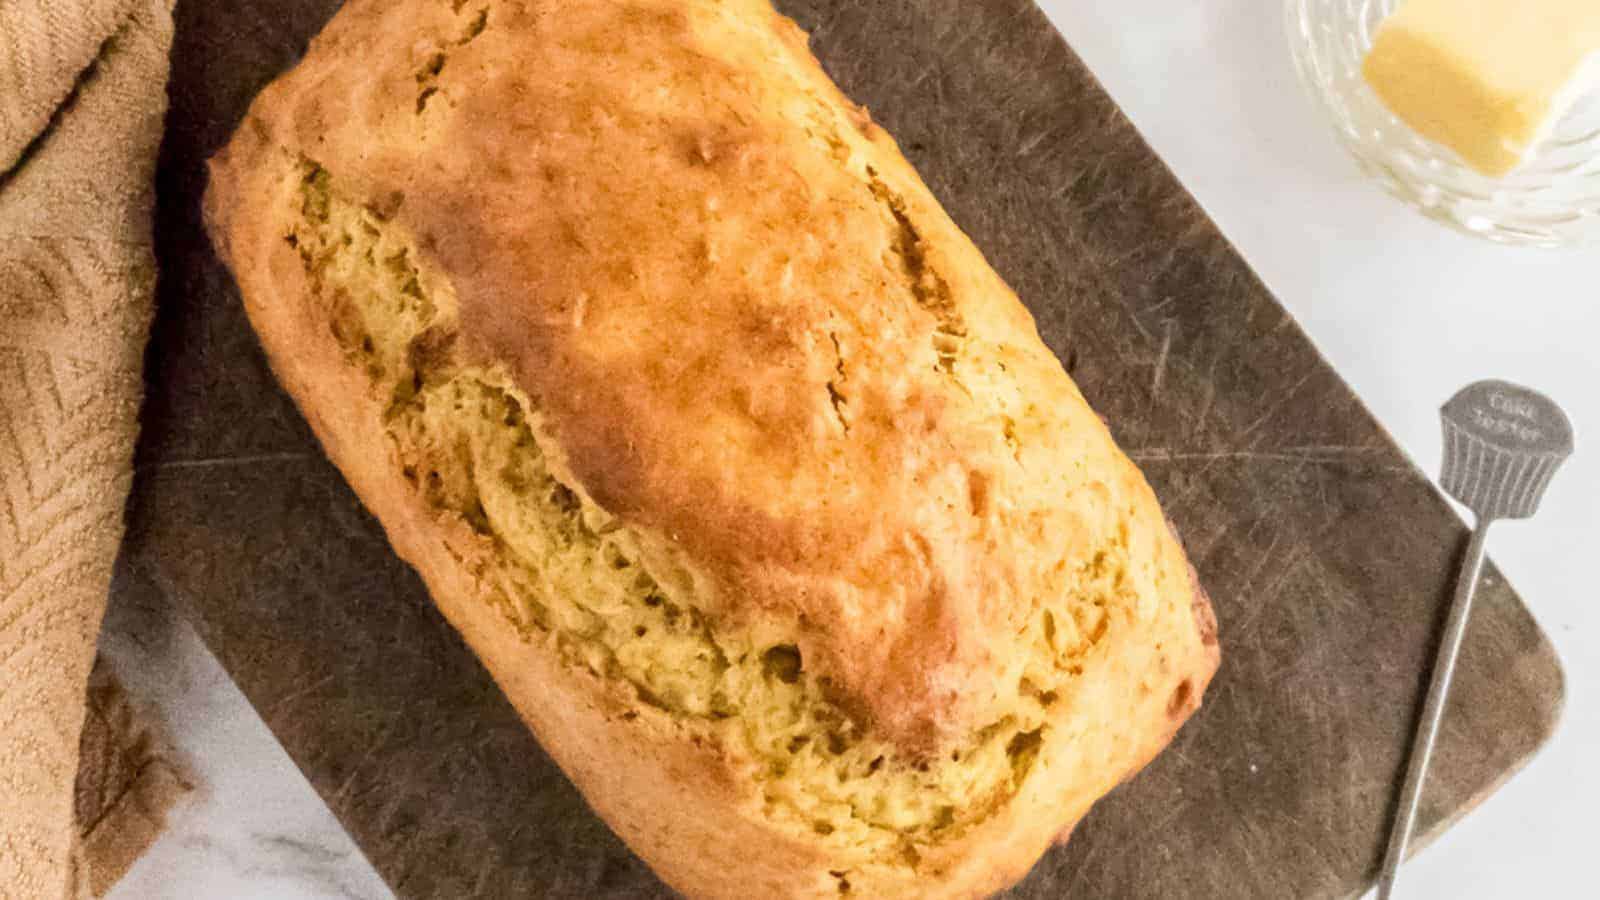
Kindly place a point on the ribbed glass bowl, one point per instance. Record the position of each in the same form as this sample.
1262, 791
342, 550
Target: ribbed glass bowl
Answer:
1552, 200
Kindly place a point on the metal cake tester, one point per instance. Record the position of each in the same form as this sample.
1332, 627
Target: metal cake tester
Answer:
1501, 445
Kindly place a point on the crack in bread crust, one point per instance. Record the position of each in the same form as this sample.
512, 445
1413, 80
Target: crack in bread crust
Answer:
467, 441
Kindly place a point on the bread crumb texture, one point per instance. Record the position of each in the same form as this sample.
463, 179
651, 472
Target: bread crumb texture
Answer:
732, 415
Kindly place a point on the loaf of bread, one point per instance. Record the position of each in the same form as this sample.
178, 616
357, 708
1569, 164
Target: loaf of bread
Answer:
748, 479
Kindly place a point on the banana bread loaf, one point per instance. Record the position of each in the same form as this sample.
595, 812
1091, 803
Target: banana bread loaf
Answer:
749, 480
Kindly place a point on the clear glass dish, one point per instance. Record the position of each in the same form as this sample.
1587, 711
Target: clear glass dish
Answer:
1552, 200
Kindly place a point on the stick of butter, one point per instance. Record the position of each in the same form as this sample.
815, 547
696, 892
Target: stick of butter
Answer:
1487, 78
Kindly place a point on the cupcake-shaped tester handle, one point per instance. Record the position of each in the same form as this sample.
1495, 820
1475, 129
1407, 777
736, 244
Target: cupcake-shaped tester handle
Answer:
1502, 443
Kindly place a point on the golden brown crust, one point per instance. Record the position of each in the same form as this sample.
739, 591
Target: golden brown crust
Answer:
734, 302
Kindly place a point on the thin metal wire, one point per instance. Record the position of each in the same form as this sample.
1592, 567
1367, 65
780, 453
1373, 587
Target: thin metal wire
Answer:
1444, 669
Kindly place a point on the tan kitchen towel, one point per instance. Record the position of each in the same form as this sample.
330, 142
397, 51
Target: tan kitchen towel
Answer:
127, 781
82, 98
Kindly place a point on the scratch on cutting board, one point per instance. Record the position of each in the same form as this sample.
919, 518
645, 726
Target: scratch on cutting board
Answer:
1266, 556
224, 461
1270, 591
1280, 404
1304, 453
1168, 326
355, 767
286, 699
1204, 411
1027, 144
1162, 305
1198, 482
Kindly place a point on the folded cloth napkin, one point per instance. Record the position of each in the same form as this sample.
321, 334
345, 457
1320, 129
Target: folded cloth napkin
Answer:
127, 781
82, 98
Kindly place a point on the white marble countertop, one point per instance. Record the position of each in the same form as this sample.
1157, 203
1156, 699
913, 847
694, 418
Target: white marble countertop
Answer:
253, 829
1407, 311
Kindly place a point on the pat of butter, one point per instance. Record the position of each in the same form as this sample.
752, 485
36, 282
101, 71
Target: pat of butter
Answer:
1487, 78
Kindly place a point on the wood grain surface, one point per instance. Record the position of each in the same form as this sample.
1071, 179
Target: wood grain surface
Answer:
1327, 554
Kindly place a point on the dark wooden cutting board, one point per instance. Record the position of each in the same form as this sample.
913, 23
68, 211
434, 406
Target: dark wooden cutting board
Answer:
1327, 553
